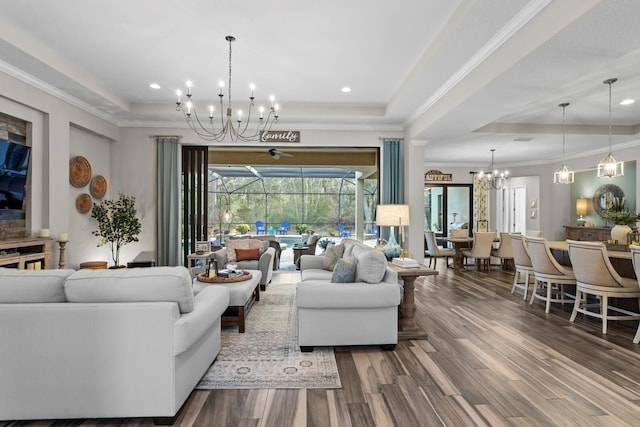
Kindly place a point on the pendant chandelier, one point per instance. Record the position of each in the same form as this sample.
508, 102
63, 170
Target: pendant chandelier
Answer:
496, 178
609, 167
242, 129
563, 175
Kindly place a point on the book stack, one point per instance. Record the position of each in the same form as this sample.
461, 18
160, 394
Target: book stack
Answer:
405, 262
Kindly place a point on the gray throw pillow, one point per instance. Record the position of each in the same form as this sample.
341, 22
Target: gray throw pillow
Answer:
371, 266
345, 271
332, 256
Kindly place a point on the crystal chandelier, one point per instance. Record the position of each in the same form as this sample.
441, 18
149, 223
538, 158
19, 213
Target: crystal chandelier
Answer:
609, 167
238, 131
563, 175
496, 178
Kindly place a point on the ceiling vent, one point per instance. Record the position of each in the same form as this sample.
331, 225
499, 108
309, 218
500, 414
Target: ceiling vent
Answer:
524, 139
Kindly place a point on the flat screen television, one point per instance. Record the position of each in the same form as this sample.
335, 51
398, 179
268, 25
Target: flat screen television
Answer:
14, 165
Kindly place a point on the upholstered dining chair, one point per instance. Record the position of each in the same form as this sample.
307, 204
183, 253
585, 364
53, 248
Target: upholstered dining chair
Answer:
481, 248
550, 276
522, 261
504, 251
635, 258
463, 232
533, 233
596, 276
434, 251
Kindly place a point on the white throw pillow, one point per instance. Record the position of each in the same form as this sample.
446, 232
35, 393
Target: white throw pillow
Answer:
32, 286
171, 284
371, 266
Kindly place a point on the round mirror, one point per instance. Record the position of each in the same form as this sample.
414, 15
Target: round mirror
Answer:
605, 196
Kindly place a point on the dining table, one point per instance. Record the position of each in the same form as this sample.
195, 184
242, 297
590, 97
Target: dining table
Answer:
459, 243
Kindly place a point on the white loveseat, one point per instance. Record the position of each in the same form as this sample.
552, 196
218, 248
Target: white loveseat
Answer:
358, 313
104, 343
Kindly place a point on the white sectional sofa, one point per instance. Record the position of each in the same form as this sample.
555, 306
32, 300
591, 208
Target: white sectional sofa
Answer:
104, 343
364, 312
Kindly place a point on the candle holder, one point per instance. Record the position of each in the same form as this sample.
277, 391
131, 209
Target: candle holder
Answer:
61, 262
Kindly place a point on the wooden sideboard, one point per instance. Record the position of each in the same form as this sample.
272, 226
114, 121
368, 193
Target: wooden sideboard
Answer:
26, 253
599, 234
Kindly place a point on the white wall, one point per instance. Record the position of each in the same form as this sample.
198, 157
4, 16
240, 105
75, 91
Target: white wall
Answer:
51, 122
97, 150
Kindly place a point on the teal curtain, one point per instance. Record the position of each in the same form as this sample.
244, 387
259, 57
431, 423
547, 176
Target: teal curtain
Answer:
168, 202
392, 191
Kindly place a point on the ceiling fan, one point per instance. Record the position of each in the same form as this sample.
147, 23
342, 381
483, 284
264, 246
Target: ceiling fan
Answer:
276, 154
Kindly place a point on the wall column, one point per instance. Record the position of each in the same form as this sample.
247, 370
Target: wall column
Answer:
414, 197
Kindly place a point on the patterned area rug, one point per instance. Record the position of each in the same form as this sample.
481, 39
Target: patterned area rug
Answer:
267, 354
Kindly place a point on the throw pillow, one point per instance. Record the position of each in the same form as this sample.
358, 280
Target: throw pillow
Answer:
372, 265
332, 256
247, 254
231, 245
345, 271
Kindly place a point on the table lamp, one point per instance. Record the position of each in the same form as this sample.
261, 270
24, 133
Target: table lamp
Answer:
392, 216
581, 209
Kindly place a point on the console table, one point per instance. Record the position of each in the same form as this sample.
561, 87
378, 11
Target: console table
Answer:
600, 234
26, 253
408, 329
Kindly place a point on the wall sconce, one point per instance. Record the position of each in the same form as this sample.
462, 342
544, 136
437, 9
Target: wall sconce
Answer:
582, 205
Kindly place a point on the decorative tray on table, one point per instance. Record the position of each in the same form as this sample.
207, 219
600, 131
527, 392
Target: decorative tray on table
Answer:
225, 277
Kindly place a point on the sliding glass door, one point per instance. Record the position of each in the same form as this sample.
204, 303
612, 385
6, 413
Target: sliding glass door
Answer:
447, 207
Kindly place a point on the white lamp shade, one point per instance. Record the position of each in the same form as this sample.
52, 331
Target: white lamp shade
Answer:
392, 215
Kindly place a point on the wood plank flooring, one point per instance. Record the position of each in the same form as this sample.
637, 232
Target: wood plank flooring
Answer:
491, 360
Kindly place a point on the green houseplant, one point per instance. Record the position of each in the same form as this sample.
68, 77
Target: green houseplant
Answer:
623, 219
302, 228
117, 224
618, 214
242, 228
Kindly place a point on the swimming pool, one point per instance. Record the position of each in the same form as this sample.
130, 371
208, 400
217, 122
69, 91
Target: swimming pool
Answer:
290, 239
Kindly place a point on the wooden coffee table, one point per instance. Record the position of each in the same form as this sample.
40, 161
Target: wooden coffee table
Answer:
243, 292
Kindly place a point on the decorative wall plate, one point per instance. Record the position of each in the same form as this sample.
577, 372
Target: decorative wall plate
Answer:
84, 203
98, 187
79, 171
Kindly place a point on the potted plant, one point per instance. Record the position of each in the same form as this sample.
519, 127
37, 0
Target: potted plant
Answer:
302, 228
242, 228
117, 224
622, 217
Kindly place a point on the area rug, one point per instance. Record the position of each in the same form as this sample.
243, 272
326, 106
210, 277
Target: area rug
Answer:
267, 354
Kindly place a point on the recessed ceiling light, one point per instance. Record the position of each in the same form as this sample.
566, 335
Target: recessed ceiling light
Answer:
346, 89
627, 102
154, 86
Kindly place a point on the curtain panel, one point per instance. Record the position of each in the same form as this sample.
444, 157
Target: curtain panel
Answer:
168, 201
392, 191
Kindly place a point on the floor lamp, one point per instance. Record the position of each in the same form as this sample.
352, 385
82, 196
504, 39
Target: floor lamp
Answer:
392, 216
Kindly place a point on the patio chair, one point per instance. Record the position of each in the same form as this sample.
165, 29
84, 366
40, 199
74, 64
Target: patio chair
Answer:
284, 227
260, 228
343, 231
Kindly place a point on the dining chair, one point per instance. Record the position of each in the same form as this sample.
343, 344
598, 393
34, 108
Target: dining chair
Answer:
635, 258
522, 261
482, 225
463, 232
504, 251
481, 248
596, 276
550, 276
533, 233
434, 251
